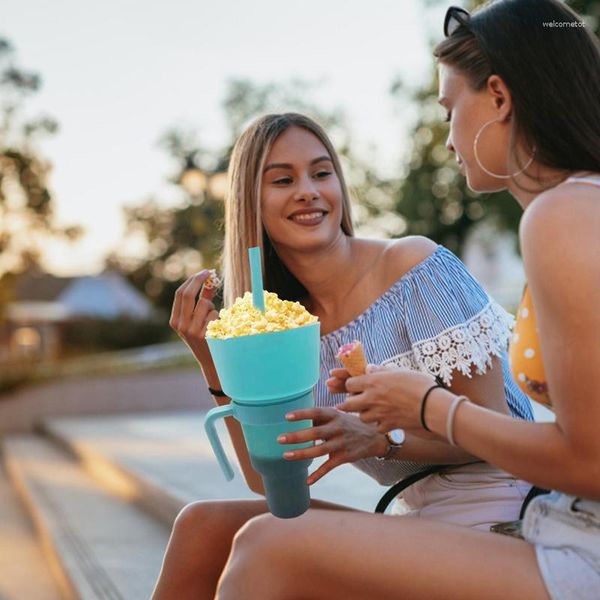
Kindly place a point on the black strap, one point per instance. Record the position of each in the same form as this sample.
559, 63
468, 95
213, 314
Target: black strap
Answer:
533, 492
402, 485
385, 500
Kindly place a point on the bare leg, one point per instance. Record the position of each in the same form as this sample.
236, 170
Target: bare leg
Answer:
200, 545
325, 555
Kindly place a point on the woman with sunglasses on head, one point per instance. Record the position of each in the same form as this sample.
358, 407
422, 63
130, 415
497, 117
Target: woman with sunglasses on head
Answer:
410, 302
523, 104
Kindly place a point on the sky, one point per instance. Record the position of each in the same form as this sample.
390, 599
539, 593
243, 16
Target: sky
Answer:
117, 74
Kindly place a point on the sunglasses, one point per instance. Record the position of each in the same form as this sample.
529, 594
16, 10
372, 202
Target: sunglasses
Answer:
456, 17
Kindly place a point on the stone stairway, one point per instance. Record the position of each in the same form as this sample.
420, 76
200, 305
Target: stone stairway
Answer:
102, 494
102, 546
24, 571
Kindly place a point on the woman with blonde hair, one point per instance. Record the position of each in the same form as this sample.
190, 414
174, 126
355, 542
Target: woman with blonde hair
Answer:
410, 302
521, 83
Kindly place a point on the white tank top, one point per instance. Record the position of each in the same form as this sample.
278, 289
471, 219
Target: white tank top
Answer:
589, 179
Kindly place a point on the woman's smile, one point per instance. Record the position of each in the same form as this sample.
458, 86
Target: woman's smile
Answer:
301, 186
308, 217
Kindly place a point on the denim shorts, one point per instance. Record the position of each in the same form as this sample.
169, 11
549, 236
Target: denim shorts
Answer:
566, 533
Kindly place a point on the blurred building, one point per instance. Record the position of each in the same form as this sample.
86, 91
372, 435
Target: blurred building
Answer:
43, 303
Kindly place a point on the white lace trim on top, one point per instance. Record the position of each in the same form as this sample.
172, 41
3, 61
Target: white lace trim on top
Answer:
458, 348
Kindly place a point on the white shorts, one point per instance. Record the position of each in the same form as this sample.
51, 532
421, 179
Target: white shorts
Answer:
566, 533
476, 495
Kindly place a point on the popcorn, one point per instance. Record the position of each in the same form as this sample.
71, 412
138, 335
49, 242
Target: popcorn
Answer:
213, 281
211, 284
242, 318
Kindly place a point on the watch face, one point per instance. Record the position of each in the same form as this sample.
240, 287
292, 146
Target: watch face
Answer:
396, 436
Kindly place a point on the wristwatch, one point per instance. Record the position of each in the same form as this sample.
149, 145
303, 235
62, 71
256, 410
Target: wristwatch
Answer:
395, 439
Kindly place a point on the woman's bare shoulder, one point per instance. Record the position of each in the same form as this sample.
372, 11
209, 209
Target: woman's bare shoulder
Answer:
386, 261
562, 219
401, 255
559, 236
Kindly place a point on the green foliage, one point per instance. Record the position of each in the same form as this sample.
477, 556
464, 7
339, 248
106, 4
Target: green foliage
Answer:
182, 240
25, 200
590, 9
434, 198
245, 100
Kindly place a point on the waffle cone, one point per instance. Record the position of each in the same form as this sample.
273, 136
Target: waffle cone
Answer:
354, 361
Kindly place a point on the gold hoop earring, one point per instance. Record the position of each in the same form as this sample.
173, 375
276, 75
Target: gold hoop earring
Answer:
476, 154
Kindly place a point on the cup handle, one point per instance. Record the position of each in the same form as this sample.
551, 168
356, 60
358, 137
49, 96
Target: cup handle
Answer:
212, 416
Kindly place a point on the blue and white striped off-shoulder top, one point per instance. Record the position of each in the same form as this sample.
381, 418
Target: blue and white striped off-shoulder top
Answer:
437, 319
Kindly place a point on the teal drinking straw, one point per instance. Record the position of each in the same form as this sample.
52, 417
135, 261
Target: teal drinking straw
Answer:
258, 296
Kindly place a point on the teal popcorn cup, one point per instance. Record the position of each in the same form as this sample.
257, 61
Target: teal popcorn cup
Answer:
266, 376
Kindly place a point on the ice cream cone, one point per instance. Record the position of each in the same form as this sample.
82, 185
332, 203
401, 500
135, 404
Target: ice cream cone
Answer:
352, 356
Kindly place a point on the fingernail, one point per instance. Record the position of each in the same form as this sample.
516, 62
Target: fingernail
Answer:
288, 454
282, 439
290, 416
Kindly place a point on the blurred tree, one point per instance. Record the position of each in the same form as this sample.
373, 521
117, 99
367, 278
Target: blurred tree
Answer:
433, 198
25, 201
186, 238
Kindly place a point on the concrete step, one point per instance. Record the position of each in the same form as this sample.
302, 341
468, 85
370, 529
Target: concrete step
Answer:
24, 570
102, 547
161, 462
164, 461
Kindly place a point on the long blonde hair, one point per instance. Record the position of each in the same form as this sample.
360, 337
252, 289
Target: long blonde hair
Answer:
243, 220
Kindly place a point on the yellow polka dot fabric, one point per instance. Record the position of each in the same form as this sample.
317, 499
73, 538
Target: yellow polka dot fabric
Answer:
525, 353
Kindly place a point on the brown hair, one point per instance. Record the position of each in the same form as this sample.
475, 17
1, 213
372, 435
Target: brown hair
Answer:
243, 221
551, 68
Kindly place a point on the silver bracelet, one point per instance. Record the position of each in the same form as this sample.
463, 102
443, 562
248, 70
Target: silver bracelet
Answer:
450, 418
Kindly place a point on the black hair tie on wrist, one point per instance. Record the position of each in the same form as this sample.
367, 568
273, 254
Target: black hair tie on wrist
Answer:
218, 393
424, 404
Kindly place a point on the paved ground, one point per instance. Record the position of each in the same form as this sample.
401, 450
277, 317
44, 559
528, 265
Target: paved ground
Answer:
90, 521
151, 423
24, 571
172, 450
178, 389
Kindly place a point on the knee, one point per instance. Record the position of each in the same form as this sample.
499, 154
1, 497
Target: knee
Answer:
268, 537
256, 558
256, 536
199, 519
192, 516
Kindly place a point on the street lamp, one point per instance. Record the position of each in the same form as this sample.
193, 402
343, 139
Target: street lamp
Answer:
217, 185
201, 184
193, 179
